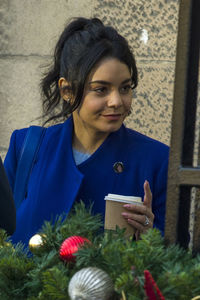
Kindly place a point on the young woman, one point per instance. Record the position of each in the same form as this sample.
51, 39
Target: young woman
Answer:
91, 153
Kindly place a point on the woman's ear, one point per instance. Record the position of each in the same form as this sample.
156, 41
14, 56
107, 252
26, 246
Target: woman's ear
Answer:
64, 89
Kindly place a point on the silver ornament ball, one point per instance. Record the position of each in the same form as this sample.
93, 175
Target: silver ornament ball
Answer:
90, 284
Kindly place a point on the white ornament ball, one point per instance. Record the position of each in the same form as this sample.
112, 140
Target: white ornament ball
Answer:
90, 284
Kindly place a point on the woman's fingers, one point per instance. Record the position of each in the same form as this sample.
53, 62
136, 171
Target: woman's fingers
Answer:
139, 226
147, 194
140, 210
141, 216
138, 220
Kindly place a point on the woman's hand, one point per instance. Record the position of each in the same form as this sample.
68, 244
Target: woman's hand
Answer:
141, 216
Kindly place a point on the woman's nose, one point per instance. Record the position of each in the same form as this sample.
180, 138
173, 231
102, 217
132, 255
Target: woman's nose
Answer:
115, 99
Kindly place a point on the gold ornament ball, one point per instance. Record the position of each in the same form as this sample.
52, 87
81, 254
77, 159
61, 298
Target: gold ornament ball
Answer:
36, 242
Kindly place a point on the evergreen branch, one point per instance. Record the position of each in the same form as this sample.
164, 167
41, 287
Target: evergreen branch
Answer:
55, 284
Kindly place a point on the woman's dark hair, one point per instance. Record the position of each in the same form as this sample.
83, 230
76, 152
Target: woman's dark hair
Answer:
83, 43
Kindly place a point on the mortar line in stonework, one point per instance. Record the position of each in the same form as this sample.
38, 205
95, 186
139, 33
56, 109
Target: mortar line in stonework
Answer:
24, 56
144, 61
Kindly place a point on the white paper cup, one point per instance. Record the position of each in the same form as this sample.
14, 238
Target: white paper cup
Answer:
114, 208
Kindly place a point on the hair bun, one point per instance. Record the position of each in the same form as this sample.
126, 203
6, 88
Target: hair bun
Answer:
84, 24
94, 22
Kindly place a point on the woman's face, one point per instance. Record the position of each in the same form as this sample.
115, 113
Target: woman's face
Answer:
107, 98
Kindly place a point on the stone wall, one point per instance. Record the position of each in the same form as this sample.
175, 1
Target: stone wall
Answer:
29, 30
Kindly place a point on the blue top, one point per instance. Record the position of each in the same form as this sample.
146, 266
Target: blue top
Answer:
56, 182
79, 156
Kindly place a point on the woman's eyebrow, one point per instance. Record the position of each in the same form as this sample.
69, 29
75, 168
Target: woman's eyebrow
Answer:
99, 81
108, 83
127, 80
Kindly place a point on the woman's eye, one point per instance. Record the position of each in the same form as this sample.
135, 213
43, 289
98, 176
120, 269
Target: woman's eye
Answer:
100, 90
125, 89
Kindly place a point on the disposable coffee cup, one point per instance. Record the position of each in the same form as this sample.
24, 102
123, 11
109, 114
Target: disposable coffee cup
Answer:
114, 208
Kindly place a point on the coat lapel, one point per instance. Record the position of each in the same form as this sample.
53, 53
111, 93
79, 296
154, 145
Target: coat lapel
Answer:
62, 178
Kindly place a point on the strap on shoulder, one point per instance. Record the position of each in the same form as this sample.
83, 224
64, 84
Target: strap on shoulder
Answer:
27, 156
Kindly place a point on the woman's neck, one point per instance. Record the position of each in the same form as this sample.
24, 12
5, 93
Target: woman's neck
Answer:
87, 141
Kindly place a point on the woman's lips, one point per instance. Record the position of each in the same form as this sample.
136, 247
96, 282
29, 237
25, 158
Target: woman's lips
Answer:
112, 117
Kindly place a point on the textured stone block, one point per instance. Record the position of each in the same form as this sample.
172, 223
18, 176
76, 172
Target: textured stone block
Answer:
20, 101
150, 26
152, 101
32, 27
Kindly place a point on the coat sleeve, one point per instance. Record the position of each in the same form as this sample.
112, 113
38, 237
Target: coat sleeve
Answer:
7, 207
11, 159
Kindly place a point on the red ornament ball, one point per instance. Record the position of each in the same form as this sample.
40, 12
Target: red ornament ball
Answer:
70, 246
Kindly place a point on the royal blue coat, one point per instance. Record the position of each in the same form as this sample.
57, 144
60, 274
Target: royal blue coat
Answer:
56, 182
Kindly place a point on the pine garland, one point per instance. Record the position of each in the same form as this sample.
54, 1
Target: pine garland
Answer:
44, 276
